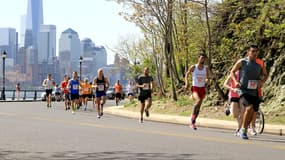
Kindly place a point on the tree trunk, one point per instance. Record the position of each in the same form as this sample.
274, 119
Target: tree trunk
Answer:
209, 48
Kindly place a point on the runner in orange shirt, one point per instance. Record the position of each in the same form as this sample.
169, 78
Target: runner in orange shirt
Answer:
86, 92
264, 73
118, 92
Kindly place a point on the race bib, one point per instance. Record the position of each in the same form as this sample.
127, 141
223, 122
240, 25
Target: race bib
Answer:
146, 86
100, 87
86, 89
252, 84
75, 86
201, 80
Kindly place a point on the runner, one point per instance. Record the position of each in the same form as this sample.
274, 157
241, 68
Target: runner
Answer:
248, 84
237, 110
131, 90
86, 92
101, 84
118, 92
18, 90
73, 85
48, 83
260, 95
200, 75
65, 91
57, 92
146, 85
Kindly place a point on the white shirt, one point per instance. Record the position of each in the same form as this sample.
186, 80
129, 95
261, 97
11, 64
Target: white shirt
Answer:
199, 76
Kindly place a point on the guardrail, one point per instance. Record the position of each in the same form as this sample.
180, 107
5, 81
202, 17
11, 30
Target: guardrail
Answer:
23, 94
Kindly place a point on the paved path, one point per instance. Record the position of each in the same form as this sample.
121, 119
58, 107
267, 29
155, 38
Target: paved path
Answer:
30, 131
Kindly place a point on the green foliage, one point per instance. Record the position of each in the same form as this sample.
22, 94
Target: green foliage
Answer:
184, 101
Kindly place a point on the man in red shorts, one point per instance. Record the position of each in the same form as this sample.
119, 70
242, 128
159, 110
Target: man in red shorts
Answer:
200, 75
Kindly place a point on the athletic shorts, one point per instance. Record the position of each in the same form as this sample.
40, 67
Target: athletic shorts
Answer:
131, 94
250, 100
143, 96
74, 96
48, 92
67, 96
85, 95
234, 99
118, 95
201, 91
100, 94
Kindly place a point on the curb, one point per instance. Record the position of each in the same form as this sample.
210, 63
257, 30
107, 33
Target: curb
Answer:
203, 122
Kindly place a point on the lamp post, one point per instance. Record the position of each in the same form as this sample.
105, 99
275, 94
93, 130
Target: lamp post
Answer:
80, 66
3, 96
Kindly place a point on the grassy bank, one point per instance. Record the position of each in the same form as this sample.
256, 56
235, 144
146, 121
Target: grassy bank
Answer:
183, 107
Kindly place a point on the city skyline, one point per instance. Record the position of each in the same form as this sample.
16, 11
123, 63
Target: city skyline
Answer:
87, 20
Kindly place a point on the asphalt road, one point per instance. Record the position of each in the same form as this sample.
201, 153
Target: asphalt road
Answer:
32, 131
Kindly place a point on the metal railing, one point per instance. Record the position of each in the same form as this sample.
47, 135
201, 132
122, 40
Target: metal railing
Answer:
23, 95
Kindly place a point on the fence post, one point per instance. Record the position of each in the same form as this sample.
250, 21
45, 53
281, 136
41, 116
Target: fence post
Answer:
24, 98
13, 96
35, 97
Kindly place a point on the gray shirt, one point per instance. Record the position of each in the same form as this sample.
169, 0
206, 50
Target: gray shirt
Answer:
250, 74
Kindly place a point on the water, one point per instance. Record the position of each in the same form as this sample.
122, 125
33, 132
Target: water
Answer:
29, 95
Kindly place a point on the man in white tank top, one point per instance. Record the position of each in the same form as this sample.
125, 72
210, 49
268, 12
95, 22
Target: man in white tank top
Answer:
200, 75
49, 84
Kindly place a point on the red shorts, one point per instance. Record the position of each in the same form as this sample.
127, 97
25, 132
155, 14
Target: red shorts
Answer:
201, 91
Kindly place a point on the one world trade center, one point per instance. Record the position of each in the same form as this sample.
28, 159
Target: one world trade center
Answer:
33, 21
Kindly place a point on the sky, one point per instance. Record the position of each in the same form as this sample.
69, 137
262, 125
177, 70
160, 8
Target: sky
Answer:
96, 19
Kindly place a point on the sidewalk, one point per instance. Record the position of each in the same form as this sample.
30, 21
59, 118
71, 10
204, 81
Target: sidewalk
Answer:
203, 122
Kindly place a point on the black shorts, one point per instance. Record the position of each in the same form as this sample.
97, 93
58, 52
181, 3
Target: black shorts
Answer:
48, 92
251, 100
118, 95
66, 96
85, 96
143, 96
74, 96
234, 99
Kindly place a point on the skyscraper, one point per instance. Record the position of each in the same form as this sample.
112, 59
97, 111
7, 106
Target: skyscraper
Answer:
47, 44
34, 18
69, 51
8, 42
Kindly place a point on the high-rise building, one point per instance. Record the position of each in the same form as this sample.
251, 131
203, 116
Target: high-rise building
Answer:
22, 30
69, 51
101, 56
47, 44
34, 18
9, 43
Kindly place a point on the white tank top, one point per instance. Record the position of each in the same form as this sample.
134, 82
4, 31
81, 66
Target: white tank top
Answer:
199, 76
49, 84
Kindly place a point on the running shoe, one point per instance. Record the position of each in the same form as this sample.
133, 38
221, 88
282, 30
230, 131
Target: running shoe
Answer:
146, 112
72, 112
243, 134
237, 132
98, 116
193, 126
141, 120
253, 132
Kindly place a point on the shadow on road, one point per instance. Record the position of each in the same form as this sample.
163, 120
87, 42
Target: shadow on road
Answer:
73, 155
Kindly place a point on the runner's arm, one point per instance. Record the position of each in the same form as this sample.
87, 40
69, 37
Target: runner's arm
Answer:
235, 68
190, 70
227, 83
107, 84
